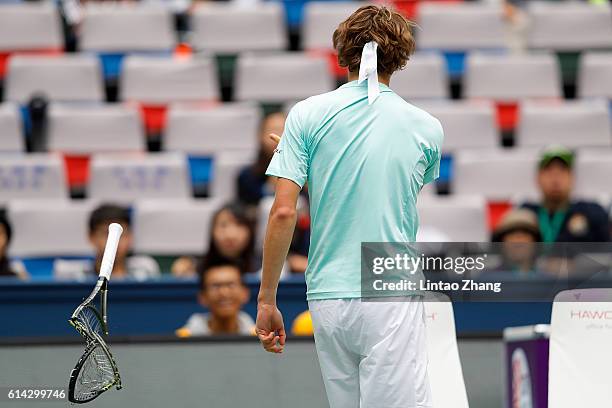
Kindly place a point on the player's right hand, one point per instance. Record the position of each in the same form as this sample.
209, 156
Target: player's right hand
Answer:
270, 328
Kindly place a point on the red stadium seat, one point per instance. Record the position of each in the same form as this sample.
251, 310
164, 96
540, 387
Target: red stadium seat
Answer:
77, 170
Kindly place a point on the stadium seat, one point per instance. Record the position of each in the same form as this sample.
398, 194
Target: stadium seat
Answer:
497, 174
458, 28
424, 77
31, 176
466, 124
36, 223
226, 28
572, 124
231, 126
580, 338
68, 78
11, 129
172, 227
320, 21
79, 130
460, 218
444, 365
84, 129
226, 168
595, 75
29, 28
317, 29
526, 76
125, 178
115, 29
593, 169
278, 78
569, 26
154, 82
512, 77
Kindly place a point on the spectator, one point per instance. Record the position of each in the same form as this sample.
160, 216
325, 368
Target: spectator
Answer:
224, 294
232, 241
8, 268
126, 265
518, 232
561, 219
253, 184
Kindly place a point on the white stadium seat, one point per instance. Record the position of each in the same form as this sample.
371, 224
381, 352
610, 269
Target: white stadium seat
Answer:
85, 129
279, 78
30, 26
37, 223
124, 27
460, 218
595, 75
512, 77
67, 78
462, 26
424, 77
573, 26
496, 174
226, 28
226, 168
444, 365
593, 170
231, 126
572, 124
321, 20
126, 178
580, 358
11, 131
151, 79
32, 176
171, 227
466, 124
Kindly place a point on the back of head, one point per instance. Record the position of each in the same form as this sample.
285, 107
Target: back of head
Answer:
389, 29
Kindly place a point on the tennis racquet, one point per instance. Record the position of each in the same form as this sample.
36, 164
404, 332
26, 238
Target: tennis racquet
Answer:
96, 370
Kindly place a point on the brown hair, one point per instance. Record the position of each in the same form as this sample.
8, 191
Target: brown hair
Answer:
388, 28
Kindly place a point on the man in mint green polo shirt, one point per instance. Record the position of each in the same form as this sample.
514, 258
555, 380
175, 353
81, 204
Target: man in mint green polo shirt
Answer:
365, 154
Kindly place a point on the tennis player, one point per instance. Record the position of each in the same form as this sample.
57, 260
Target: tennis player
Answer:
365, 153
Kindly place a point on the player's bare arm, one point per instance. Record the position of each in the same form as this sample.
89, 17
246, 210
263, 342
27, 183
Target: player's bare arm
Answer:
281, 223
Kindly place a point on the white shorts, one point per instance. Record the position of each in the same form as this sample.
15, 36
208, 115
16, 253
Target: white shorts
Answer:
372, 354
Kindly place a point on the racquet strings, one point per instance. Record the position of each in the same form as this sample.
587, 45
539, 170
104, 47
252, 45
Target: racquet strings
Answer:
96, 373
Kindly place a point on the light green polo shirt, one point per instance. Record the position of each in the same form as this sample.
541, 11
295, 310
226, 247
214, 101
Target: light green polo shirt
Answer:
365, 165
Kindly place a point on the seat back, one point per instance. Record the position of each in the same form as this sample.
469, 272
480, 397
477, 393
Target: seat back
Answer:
126, 178
226, 28
68, 78
232, 126
32, 176
84, 129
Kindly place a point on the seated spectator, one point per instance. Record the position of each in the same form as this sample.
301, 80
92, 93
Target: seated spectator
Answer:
125, 266
224, 294
561, 219
253, 184
518, 231
232, 241
8, 268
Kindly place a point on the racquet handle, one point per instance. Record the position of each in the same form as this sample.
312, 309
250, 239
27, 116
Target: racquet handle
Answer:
108, 259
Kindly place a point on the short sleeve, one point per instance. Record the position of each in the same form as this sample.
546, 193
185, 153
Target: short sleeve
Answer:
290, 159
433, 155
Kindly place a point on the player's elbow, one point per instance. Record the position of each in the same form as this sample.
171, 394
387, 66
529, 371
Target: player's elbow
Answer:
283, 213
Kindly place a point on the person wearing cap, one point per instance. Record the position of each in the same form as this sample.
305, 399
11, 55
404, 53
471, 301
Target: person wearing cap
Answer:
518, 231
366, 153
561, 219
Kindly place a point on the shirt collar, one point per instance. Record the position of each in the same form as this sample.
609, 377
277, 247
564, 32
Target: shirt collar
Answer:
364, 84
